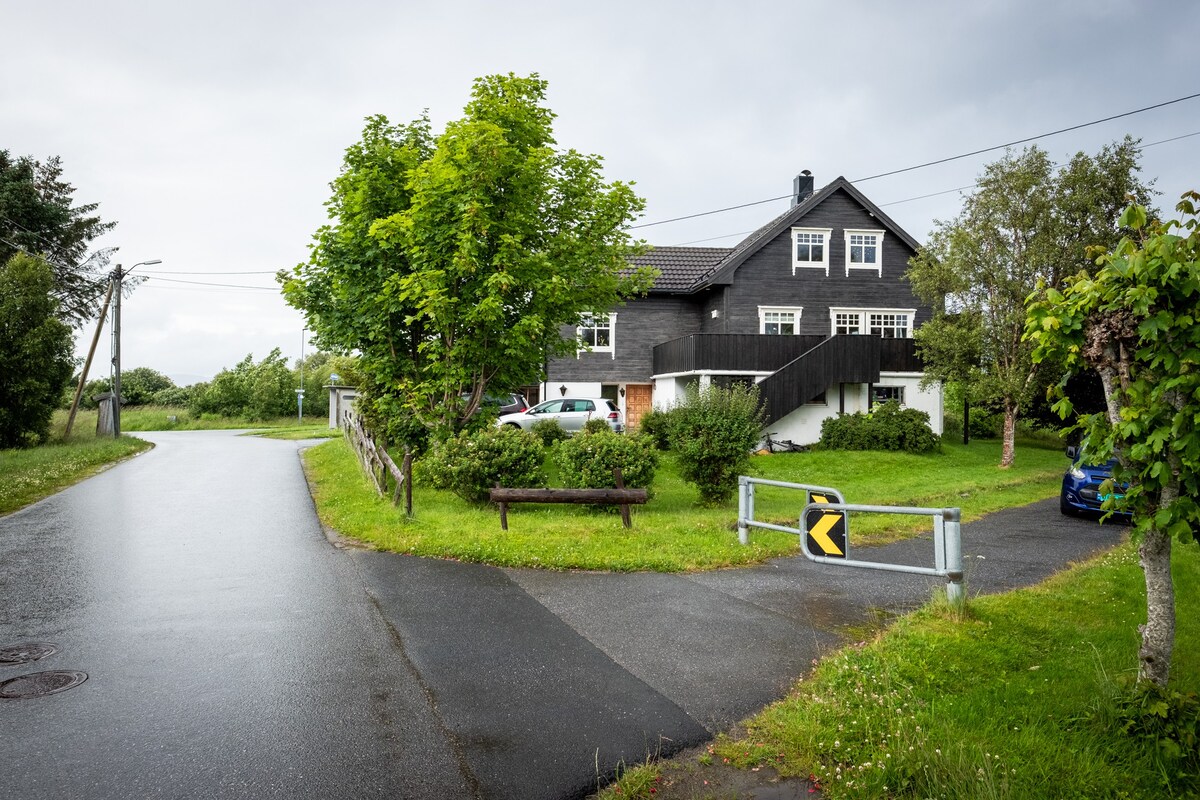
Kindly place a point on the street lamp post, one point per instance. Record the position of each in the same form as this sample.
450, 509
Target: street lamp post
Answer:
117, 277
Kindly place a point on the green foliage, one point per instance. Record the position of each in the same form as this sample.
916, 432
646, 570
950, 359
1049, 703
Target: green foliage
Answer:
655, 425
887, 427
549, 431
37, 216
587, 461
35, 351
1166, 719
597, 425
451, 264
256, 391
1027, 225
712, 432
139, 385
172, 396
1135, 322
470, 464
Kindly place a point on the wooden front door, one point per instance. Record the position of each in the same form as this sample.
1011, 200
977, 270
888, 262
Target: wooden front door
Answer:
639, 398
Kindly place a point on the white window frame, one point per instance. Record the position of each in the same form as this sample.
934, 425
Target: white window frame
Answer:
825, 234
863, 319
611, 325
877, 264
795, 311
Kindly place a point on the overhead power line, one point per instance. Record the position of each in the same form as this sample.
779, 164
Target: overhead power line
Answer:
225, 285
178, 272
941, 160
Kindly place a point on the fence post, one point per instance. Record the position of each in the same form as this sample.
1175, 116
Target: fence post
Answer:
743, 496
954, 566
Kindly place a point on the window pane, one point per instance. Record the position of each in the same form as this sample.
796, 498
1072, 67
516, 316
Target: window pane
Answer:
603, 338
818, 252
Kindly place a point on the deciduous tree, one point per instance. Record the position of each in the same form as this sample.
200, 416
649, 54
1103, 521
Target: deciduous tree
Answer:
1135, 319
452, 264
1026, 224
35, 351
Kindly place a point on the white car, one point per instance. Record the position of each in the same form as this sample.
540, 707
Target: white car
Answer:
570, 412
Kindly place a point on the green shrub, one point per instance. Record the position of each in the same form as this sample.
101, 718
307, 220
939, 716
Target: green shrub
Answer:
887, 427
586, 461
655, 425
470, 464
1165, 719
176, 396
597, 425
549, 431
712, 432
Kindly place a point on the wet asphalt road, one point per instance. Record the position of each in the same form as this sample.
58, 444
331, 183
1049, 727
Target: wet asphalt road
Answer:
233, 653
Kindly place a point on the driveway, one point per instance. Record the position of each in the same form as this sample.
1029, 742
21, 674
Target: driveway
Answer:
232, 652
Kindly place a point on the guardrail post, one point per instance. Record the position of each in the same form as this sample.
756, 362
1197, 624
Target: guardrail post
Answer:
743, 497
954, 565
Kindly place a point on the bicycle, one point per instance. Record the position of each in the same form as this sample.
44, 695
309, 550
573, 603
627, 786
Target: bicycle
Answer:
772, 445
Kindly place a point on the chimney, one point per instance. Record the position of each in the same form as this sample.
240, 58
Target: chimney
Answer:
802, 188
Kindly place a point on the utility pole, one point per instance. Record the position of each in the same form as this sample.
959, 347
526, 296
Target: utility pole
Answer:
118, 276
87, 364
116, 358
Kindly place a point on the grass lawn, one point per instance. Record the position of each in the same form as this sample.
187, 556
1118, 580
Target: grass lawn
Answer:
671, 533
169, 418
27, 476
1018, 697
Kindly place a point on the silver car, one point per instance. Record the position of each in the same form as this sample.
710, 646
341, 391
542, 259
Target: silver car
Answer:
570, 412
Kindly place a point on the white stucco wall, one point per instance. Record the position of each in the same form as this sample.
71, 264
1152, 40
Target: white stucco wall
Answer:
803, 425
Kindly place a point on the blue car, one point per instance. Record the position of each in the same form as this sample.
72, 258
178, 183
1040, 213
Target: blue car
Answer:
1081, 492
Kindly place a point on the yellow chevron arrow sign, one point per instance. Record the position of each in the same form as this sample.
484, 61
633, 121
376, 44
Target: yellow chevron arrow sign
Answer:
826, 531
819, 533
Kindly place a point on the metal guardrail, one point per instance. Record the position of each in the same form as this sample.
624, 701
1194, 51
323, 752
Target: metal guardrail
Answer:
947, 533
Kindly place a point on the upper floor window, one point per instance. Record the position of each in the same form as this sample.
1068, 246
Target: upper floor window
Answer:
779, 321
810, 248
890, 323
597, 332
864, 250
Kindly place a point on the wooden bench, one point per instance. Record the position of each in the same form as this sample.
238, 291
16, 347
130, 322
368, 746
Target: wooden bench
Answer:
598, 497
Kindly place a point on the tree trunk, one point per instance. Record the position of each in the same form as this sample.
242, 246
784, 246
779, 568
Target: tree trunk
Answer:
1009, 451
1158, 634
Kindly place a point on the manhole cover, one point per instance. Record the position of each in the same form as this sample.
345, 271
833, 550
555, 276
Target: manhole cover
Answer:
25, 652
40, 683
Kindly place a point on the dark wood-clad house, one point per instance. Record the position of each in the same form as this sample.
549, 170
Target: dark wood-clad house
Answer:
811, 306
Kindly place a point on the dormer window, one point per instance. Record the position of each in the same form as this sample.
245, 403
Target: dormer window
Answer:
864, 250
810, 248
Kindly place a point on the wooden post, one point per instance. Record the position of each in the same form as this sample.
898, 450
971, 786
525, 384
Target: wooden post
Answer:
406, 467
503, 513
625, 519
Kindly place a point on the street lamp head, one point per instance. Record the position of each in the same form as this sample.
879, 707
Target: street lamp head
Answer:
148, 263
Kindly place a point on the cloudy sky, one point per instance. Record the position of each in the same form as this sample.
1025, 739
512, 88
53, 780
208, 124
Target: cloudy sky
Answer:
210, 131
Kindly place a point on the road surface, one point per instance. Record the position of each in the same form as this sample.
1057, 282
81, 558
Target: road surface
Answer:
232, 652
